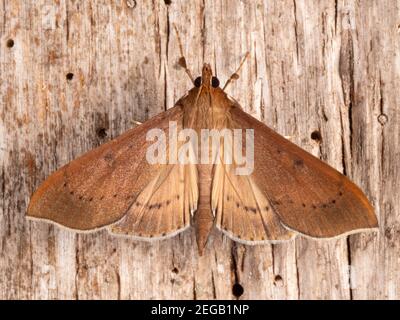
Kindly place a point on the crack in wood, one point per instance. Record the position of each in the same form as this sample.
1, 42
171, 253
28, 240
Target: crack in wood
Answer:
295, 28
297, 269
336, 14
214, 290
67, 21
203, 30
194, 288
167, 60
381, 108
348, 245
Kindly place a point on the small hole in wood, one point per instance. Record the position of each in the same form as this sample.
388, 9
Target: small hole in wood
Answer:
237, 290
167, 2
382, 119
316, 136
278, 281
69, 76
101, 133
175, 270
10, 43
131, 3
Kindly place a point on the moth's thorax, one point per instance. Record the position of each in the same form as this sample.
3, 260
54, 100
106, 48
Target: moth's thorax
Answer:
206, 108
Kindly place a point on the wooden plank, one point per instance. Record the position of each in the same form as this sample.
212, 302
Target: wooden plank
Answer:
75, 74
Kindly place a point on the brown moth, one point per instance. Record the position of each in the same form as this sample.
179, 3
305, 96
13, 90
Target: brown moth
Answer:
288, 192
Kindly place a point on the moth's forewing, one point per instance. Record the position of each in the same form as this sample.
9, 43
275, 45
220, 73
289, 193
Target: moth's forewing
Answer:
306, 194
99, 187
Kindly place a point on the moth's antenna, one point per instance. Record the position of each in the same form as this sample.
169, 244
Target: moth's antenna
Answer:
182, 60
235, 75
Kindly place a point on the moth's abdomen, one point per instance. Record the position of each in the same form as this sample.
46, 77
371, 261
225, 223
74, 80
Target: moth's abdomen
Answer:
204, 219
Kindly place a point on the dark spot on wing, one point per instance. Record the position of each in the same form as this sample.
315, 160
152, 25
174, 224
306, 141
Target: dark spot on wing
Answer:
340, 193
275, 202
90, 199
304, 205
333, 201
163, 234
237, 204
115, 195
266, 208
109, 158
254, 210
154, 206
298, 163
314, 206
168, 202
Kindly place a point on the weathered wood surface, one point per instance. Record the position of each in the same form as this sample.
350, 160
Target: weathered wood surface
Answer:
326, 66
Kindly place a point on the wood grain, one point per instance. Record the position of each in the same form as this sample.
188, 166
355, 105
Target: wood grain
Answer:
75, 74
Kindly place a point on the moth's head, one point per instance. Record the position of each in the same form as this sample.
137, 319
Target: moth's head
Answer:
207, 79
